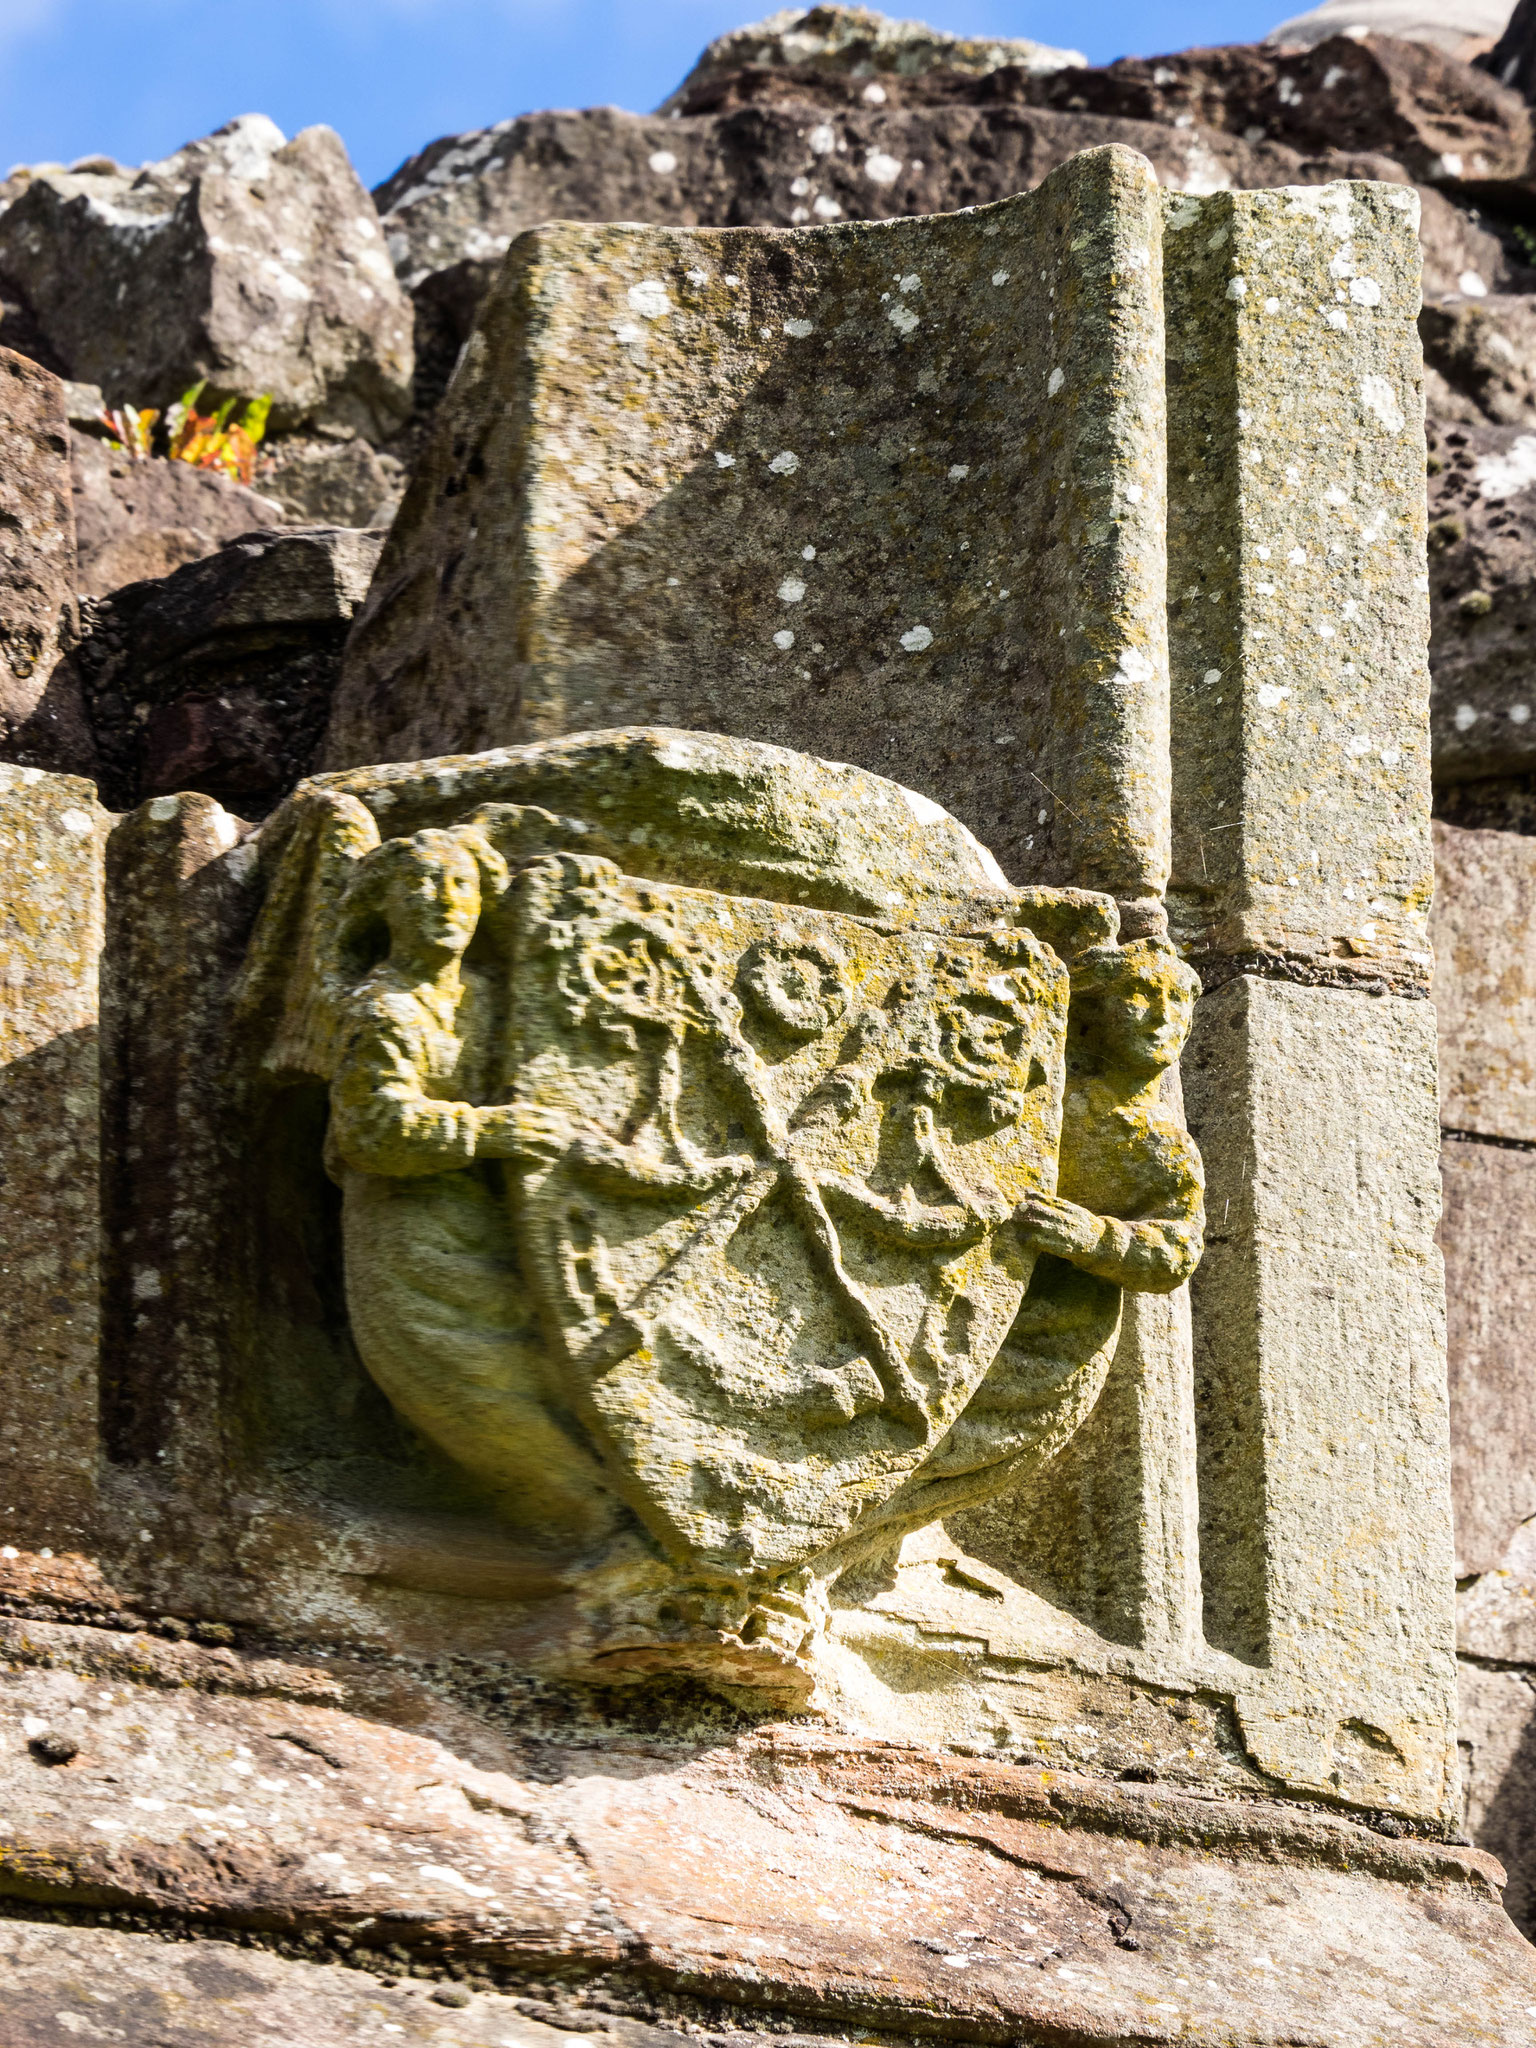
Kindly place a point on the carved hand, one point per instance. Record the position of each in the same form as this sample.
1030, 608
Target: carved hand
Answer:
521, 1130
1051, 1224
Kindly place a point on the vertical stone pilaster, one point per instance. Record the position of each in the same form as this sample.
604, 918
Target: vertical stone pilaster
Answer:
1301, 884
1297, 595
176, 916
51, 836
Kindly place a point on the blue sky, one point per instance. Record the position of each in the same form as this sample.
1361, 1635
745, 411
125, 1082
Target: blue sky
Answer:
136, 78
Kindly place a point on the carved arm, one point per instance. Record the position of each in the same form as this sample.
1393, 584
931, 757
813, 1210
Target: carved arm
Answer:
1151, 1256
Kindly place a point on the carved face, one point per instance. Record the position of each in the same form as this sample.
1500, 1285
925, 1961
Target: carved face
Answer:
1141, 1019
434, 897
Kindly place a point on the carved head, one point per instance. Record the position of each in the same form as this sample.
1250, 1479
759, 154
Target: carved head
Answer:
1132, 1006
427, 890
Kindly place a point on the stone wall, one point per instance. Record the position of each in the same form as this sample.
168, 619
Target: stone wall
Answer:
761, 487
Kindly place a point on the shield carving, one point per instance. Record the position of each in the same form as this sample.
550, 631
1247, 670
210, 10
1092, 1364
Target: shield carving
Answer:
771, 1156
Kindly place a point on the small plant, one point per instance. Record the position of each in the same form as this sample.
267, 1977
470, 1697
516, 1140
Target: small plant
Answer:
133, 430
216, 440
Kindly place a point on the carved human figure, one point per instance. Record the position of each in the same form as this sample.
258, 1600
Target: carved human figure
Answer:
430, 1272
1128, 1212
1129, 1205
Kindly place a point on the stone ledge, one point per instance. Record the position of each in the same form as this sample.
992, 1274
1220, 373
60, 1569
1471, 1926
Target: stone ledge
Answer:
791, 1871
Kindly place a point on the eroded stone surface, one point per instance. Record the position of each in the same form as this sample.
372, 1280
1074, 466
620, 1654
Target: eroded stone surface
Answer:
64, 1982
1497, 1726
1483, 597
858, 43
1440, 119
776, 149
741, 1245
874, 491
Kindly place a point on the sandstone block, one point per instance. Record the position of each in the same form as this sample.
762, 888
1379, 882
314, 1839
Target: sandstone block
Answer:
1484, 934
1298, 608
39, 720
330, 483
254, 262
52, 832
1496, 1603
1320, 1391
874, 491
1463, 261
137, 520
1488, 1233
1141, 1902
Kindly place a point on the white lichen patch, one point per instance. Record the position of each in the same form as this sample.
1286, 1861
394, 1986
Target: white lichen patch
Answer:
1380, 399
649, 298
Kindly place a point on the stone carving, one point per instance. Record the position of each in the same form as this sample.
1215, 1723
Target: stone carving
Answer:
723, 1238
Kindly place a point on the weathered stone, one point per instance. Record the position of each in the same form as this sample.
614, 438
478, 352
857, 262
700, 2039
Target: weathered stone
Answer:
1462, 28
244, 259
779, 150
781, 1874
333, 484
1484, 934
1480, 349
628, 1161
853, 42
1496, 1610
1298, 611
1487, 1233
219, 676
1497, 1726
1319, 1391
40, 719
709, 509
1443, 121
137, 520
224, 1990
1482, 569
51, 837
